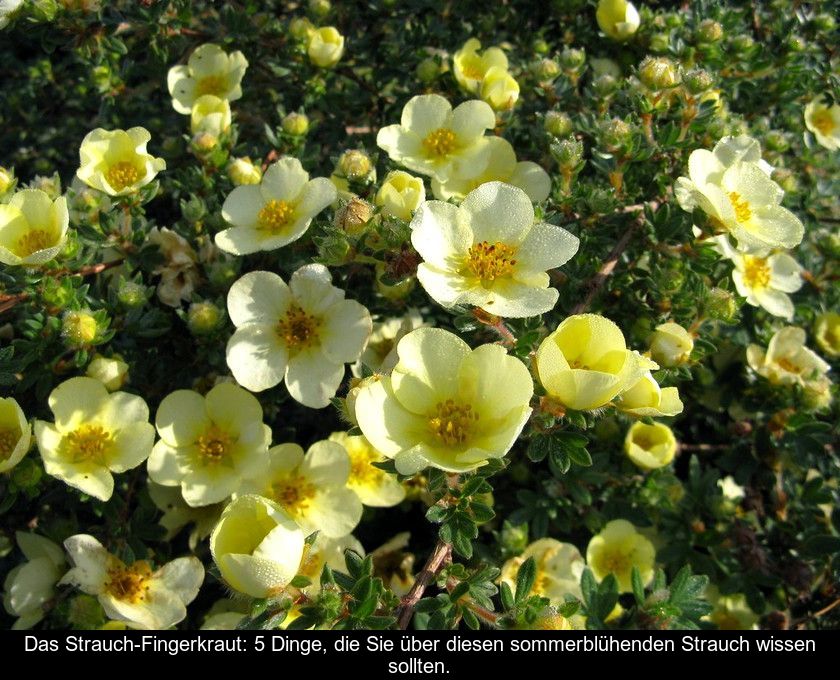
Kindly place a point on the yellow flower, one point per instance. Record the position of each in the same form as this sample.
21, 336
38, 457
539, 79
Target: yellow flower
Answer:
731, 612
616, 550
470, 66
244, 171
95, 433
434, 140
113, 372
30, 586
671, 345
209, 444
824, 122
33, 228
374, 487
302, 333
502, 167
400, 195
585, 363
276, 211
499, 89
645, 398
117, 162
619, 19
79, 328
559, 568
312, 488
133, 594
257, 546
380, 354
210, 114
210, 70
15, 434
7, 179
650, 446
827, 333
787, 361
444, 404
326, 46
489, 252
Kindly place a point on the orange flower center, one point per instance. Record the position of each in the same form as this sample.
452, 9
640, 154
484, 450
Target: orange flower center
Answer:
490, 261
87, 443
298, 329
823, 121
8, 442
128, 584
214, 445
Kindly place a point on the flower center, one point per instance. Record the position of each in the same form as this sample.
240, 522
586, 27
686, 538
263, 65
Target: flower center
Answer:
294, 493
121, 175
275, 215
87, 443
215, 85
756, 272
214, 445
440, 142
644, 442
472, 70
8, 442
452, 423
297, 329
615, 563
789, 366
33, 241
741, 208
490, 261
128, 584
823, 121
361, 471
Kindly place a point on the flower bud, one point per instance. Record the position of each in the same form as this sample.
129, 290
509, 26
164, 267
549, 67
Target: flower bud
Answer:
567, 152
741, 44
353, 216
320, 8
660, 42
205, 141
79, 328
499, 89
721, 305
131, 294
243, 171
354, 165
659, 73
514, 538
670, 345
50, 185
546, 69
558, 124
824, 22
698, 81
296, 124
203, 318
827, 333
615, 134
396, 291
326, 47
428, 70
604, 85
301, 28
572, 59
113, 372
709, 31
540, 46
619, 19
7, 180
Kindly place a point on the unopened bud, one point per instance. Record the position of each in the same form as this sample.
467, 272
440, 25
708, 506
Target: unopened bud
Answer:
203, 318
353, 216
659, 73
296, 124
558, 124
243, 171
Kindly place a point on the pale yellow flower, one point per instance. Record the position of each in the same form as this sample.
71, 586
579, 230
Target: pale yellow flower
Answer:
210, 70
111, 372
209, 444
650, 446
670, 345
380, 354
645, 398
210, 114
326, 551
95, 434
326, 47
616, 550
499, 89
444, 404
731, 612
400, 195
28, 587
177, 514
374, 487
619, 19
787, 361
33, 228
470, 66
133, 594
827, 333
435, 140
15, 434
559, 568
244, 171
824, 122
116, 161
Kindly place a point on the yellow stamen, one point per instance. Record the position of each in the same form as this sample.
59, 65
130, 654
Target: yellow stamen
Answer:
789, 366
298, 329
214, 445
741, 208
756, 272
491, 261
824, 122
275, 215
362, 472
452, 423
87, 443
215, 85
8, 441
440, 142
128, 584
615, 562
294, 493
121, 175
33, 241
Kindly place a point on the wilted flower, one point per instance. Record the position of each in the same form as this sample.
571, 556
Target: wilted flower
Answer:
179, 274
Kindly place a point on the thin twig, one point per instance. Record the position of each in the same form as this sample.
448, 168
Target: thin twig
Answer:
440, 555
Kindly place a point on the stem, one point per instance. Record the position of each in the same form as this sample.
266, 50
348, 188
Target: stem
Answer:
440, 555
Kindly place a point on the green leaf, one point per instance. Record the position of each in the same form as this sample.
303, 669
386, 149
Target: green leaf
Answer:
525, 578
638, 586
506, 596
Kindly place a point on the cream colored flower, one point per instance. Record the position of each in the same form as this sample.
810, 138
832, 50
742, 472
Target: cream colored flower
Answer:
177, 514
380, 354
374, 487
444, 404
619, 19
95, 434
499, 89
488, 252
559, 568
117, 162
585, 363
650, 446
210, 70
8, 9
502, 167
179, 273
257, 546
244, 171
763, 278
210, 114
787, 361
731, 612
275, 212
400, 195
302, 333
325, 47
15, 434
671, 345
434, 140
616, 550
827, 333
134, 594
312, 488
28, 587
209, 444
111, 372
33, 228
645, 398
824, 122
471, 66
734, 190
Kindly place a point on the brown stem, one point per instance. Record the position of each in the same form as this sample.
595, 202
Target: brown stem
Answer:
9, 301
440, 555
